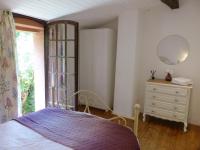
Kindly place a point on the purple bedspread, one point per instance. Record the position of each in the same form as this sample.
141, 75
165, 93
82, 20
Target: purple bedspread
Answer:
80, 131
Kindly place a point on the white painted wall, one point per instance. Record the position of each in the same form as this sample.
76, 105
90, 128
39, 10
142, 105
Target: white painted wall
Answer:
125, 93
113, 24
160, 22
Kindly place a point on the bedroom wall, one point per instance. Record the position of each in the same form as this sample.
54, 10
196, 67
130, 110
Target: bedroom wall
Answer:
113, 24
125, 92
160, 22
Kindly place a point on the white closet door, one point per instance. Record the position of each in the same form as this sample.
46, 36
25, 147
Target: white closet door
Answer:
96, 63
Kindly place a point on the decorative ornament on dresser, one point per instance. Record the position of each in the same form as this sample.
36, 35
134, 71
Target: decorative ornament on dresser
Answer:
167, 101
153, 74
168, 77
169, 73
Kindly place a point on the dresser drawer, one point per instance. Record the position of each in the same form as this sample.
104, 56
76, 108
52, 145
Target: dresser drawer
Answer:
166, 106
167, 90
165, 114
179, 116
165, 98
167, 101
158, 112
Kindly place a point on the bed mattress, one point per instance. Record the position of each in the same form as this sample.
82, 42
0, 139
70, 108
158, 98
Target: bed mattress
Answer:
14, 136
58, 129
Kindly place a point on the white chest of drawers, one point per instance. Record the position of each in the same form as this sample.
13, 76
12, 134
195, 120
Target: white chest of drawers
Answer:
167, 101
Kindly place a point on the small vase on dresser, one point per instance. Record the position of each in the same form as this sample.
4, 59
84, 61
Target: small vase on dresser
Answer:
167, 101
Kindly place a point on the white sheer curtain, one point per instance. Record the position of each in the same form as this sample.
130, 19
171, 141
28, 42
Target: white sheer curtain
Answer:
9, 94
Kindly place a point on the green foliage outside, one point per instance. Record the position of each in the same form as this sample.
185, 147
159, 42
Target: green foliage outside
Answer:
26, 72
27, 91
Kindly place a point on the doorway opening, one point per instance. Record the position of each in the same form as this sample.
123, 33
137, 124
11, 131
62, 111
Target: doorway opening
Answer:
30, 55
25, 49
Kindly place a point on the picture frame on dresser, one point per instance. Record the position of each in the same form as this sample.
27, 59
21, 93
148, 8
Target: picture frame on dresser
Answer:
167, 101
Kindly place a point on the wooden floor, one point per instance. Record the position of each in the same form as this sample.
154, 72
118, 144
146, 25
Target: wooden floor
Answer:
157, 134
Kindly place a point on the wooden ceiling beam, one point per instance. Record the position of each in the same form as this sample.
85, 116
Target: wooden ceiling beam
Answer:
173, 4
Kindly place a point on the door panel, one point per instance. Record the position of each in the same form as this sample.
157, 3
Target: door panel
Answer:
62, 62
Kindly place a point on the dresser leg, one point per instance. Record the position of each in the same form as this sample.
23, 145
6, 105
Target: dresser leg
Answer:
144, 117
185, 127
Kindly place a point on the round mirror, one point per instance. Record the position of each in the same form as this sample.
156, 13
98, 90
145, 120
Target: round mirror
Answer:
173, 49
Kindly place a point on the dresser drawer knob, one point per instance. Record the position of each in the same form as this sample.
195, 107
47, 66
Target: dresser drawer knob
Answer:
176, 100
177, 92
154, 97
175, 108
152, 112
153, 104
174, 116
154, 89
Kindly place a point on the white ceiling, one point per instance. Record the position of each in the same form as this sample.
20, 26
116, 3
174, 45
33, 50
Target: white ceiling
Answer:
100, 15
51, 9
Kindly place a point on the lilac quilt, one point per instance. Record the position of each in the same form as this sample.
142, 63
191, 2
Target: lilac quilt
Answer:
80, 131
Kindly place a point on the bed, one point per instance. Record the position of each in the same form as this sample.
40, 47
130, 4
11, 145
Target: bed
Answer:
61, 129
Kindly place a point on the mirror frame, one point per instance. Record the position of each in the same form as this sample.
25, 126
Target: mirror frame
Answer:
172, 35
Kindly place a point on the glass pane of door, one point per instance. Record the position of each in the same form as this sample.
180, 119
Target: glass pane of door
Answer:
70, 32
61, 49
61, 31
71, 88
70, 65
61, 65
52, 32
52, 65
70, 48
52, 48
62, 81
